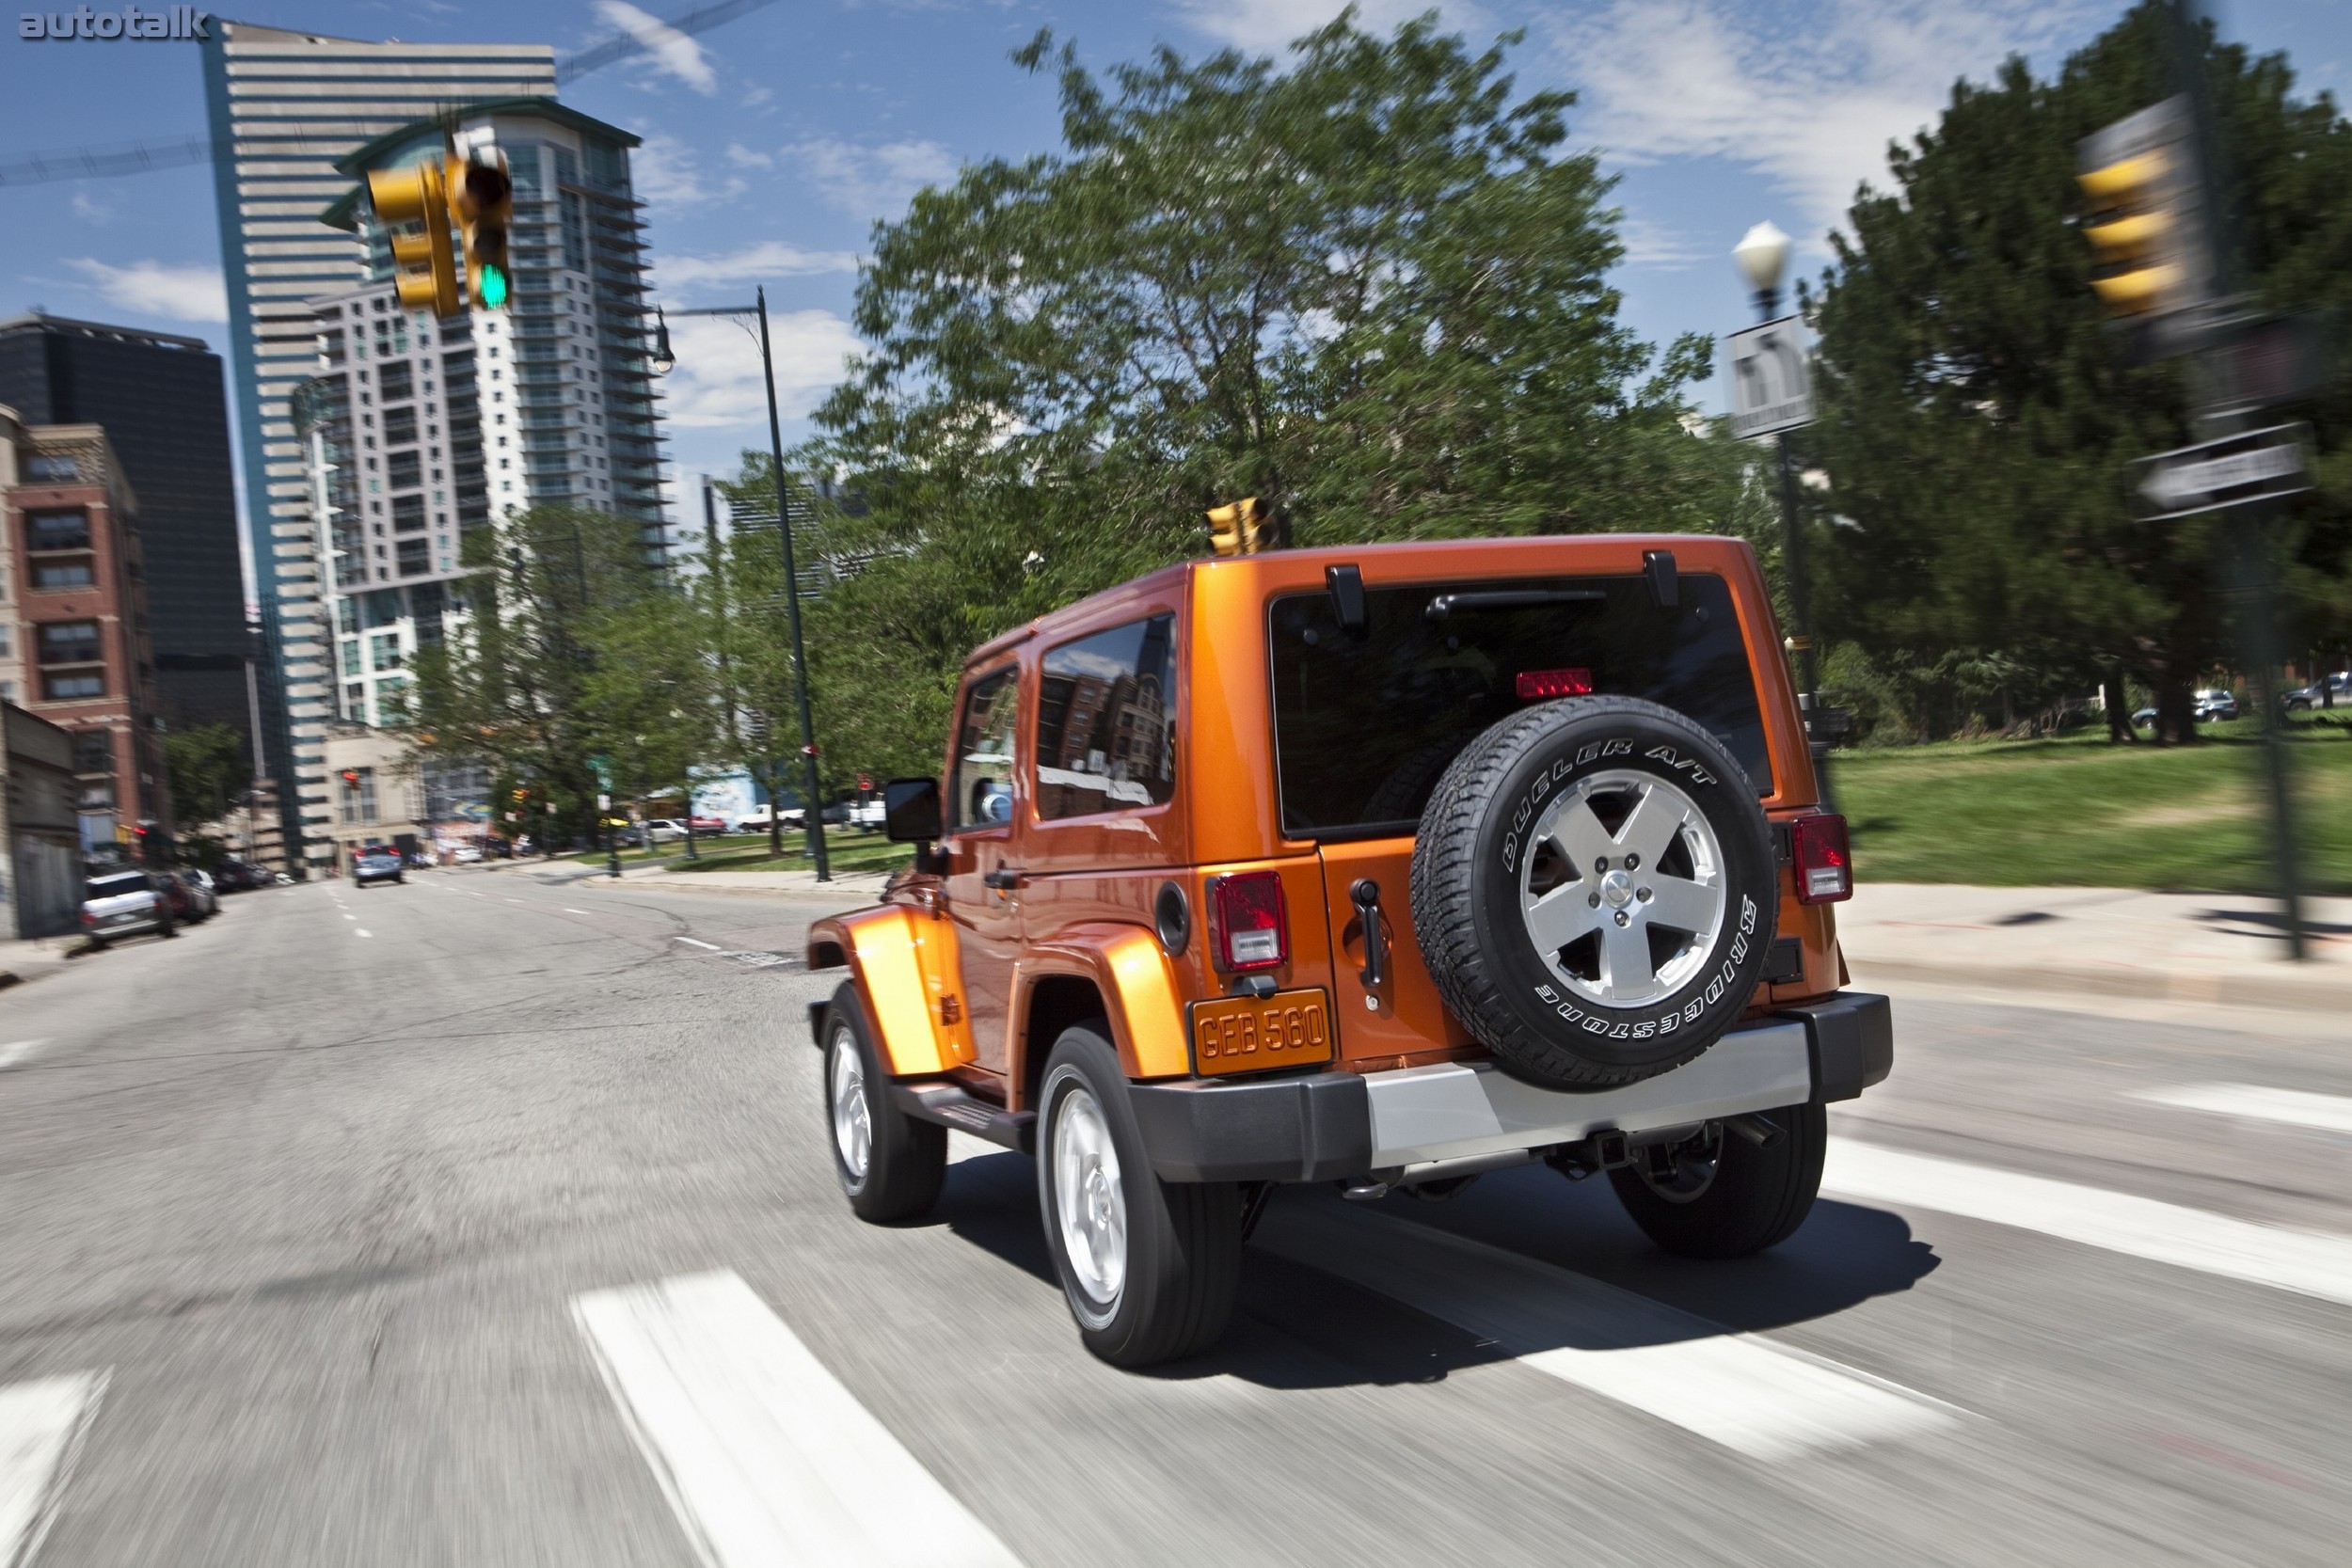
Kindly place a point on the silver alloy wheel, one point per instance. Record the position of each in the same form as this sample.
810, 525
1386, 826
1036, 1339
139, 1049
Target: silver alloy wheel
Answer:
1089, 1207
1601, 894
852, 1121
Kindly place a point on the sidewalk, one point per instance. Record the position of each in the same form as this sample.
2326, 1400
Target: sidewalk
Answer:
847, 888
2211, 947
20, 962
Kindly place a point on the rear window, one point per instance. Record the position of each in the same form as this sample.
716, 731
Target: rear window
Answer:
1363, 726
118, 883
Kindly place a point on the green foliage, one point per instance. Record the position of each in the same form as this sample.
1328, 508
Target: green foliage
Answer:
575, 645
1367, 286
1979, 425
208, 770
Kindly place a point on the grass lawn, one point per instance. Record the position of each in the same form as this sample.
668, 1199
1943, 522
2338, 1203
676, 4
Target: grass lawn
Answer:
846, 849
2078, 811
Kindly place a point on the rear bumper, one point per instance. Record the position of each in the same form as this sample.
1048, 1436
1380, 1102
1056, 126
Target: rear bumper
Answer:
1334, 1126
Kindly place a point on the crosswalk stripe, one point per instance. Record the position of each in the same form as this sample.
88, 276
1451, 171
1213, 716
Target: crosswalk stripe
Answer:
41, 1425
765, 1457
18, 1051
2330, 1113
1751, 1394
2311, 1262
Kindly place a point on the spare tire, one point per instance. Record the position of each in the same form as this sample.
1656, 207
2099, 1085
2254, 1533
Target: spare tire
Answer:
1593, 890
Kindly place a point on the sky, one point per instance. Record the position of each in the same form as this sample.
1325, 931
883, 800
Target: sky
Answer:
773, 143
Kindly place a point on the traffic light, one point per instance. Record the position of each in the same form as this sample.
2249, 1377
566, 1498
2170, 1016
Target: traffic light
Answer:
2146, 222
1237, 528
350, 777
482, 196
412, 203
520, 796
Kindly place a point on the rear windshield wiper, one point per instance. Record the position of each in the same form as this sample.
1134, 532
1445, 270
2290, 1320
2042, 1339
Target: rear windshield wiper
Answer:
1507, 599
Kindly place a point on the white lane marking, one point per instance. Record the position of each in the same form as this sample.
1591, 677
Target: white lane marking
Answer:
707, 947
2311, 1262
1761, 1398
363, 933
18, 1051
2330, 1113
41, 1427
351, 917
568, 909
765, 1457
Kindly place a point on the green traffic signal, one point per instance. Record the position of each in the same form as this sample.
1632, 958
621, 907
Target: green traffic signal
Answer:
492, 282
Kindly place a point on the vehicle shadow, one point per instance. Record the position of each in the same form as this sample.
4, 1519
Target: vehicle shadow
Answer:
1298, 1325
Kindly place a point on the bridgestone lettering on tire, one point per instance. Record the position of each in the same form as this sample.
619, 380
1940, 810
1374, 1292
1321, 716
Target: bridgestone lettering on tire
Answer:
1593, 890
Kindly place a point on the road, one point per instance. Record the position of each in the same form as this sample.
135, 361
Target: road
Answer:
487, 1220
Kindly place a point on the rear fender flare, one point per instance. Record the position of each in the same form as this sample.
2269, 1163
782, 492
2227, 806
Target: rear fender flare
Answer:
1141, 999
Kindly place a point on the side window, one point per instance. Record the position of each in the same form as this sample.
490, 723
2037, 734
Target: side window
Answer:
983, 786
1105, 721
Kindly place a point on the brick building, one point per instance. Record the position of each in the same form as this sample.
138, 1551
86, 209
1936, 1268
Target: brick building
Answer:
73, 593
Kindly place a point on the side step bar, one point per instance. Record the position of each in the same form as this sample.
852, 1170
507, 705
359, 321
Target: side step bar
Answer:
950, 1106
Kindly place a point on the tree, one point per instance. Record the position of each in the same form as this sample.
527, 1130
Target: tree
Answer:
1368, 287
207, 766
538, 677
1979, 425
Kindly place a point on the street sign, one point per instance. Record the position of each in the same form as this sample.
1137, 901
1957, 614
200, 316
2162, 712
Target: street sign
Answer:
1770, 390
2254, 465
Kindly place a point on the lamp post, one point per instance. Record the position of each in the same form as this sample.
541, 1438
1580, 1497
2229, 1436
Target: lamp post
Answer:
1762, 255
813, 815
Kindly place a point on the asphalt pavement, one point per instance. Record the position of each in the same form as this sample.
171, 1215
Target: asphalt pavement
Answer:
487, 1219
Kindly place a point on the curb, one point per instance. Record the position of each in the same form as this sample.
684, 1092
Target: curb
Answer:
2274, 985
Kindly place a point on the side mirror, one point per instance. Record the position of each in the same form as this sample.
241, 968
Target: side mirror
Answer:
911, 810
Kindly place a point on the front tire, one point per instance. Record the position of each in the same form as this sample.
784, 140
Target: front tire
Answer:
1724, 1195
890, 1166
1148, 1267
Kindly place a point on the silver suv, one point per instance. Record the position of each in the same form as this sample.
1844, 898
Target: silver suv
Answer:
125, 903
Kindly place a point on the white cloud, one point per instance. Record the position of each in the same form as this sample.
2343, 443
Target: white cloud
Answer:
717, 383
667, 176
188, 293
89, 208
765, 259
1270, 26
1807, 96
876, 180
671, 52
1656, 246
744, 157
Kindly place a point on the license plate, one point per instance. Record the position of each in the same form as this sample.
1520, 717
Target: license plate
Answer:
1249, 1033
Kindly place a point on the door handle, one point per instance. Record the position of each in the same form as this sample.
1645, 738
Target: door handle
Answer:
1366, 897
1006, 878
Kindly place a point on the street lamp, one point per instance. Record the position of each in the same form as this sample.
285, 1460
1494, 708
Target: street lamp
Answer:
1762, 254
813, 817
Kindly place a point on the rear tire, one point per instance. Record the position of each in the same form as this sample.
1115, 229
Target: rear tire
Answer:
1743, 1200
890, 1166
1148, 1267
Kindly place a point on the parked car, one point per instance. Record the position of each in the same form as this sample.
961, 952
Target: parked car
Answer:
1474, 854
2329, 690
710, 825
466, 854
663, 830
2143, 717
203, 903
756, 820
126, 902
868, 816
2216, 703
378, 863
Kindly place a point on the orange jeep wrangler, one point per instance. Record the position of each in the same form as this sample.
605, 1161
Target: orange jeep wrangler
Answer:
1383, 866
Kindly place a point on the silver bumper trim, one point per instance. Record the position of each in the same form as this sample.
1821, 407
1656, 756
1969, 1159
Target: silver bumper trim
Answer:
1456, 1110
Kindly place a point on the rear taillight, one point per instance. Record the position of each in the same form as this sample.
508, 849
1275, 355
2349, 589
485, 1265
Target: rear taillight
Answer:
1534, 683
1247, 927
1824, 865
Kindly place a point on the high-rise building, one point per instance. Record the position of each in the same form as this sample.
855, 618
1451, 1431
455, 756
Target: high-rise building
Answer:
161, 400
284, 107
420, 431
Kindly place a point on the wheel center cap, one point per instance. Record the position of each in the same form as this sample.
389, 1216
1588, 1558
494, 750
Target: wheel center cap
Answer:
1618, 888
